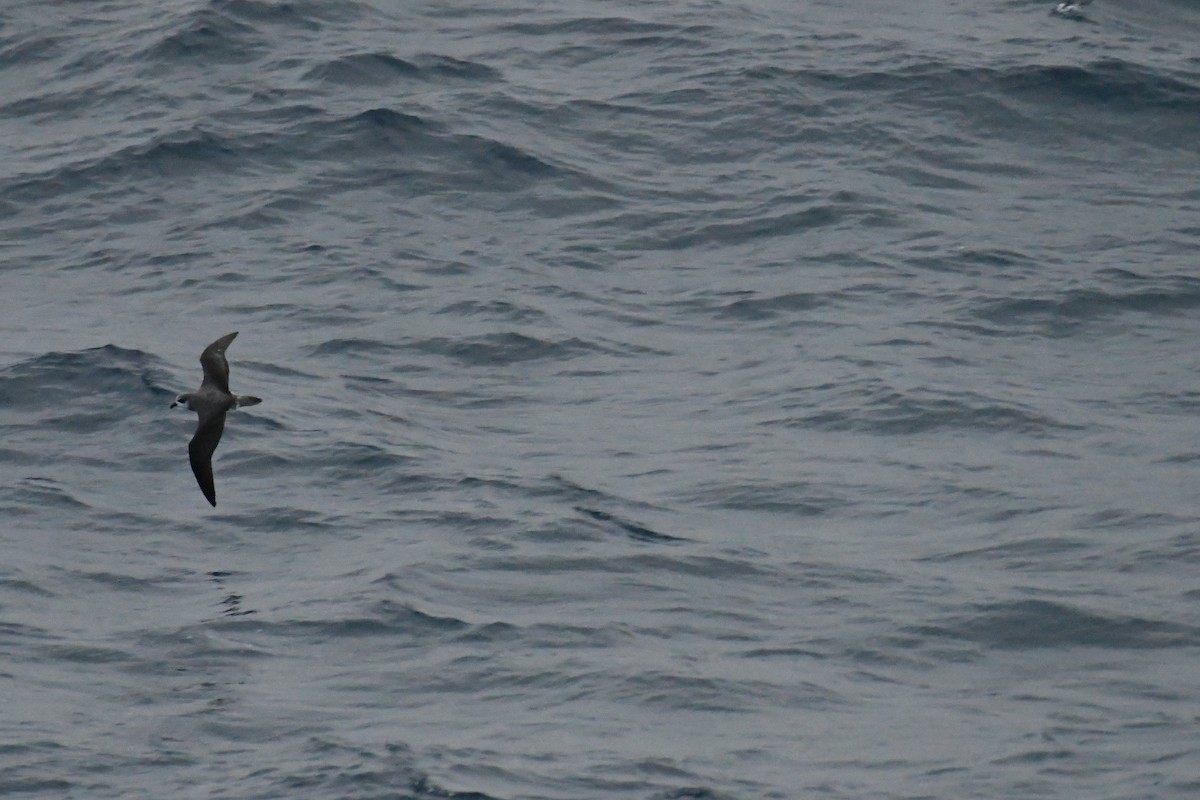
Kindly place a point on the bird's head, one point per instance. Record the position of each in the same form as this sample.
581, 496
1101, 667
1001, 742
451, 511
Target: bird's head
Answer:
182, 400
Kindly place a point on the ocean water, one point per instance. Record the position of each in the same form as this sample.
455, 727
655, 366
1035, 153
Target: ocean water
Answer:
662, 400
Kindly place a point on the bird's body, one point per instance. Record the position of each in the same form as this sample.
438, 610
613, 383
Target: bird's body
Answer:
211, 402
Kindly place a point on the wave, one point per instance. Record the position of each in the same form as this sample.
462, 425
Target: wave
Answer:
873, 406
362, 69
1027, 624
54, 381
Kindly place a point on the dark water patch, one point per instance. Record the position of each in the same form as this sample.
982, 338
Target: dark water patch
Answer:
632, 529
779, 496
115, 522
569, 200
787, 653
307, 15
329, 767
1169, 402
503, 486
350, 461
1033, 624
353, 348
1156, 553
41, 494
759, 228
449, 67
1179, 458
928, 177
393, 388
253, 220
20, 586
83, 654
979, 262
688, 693
364, 69
388, 617
1036, 553
197, 658
31, 747
374, 385
231, 603
837, 575
62, 379
178, 156
691, 793
879, 409
15, 630
424, 789
383, 120
119, 582
286, 371
422, 157
384, 618
718, 625
642, 563
374, 133
1069, 311
1126, 520
396, 488
21, 52
562, 488
592, 26
498, 310
493, 678
1112, 85
554, 636
282, 519
501, 159
83, 422
322, 315
503, 349
263, 463
551, 636
280, 129
559, 532
181, 152
207, 34
1038, 756
34, 787
756, 309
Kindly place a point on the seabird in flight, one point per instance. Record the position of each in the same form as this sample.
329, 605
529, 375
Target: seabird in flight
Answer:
210, 402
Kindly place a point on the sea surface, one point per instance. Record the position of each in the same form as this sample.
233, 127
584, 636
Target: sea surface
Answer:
696, 400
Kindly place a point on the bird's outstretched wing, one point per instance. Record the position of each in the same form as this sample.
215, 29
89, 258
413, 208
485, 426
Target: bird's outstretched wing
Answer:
216, 368
200, 451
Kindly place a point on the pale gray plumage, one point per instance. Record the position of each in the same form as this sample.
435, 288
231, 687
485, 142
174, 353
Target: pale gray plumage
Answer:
211, 402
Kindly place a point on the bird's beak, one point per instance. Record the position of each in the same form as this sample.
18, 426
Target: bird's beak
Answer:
174, 404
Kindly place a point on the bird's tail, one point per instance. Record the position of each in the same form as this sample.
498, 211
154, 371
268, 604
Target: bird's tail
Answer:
247, 400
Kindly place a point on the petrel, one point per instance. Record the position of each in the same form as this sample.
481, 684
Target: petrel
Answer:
211, 401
